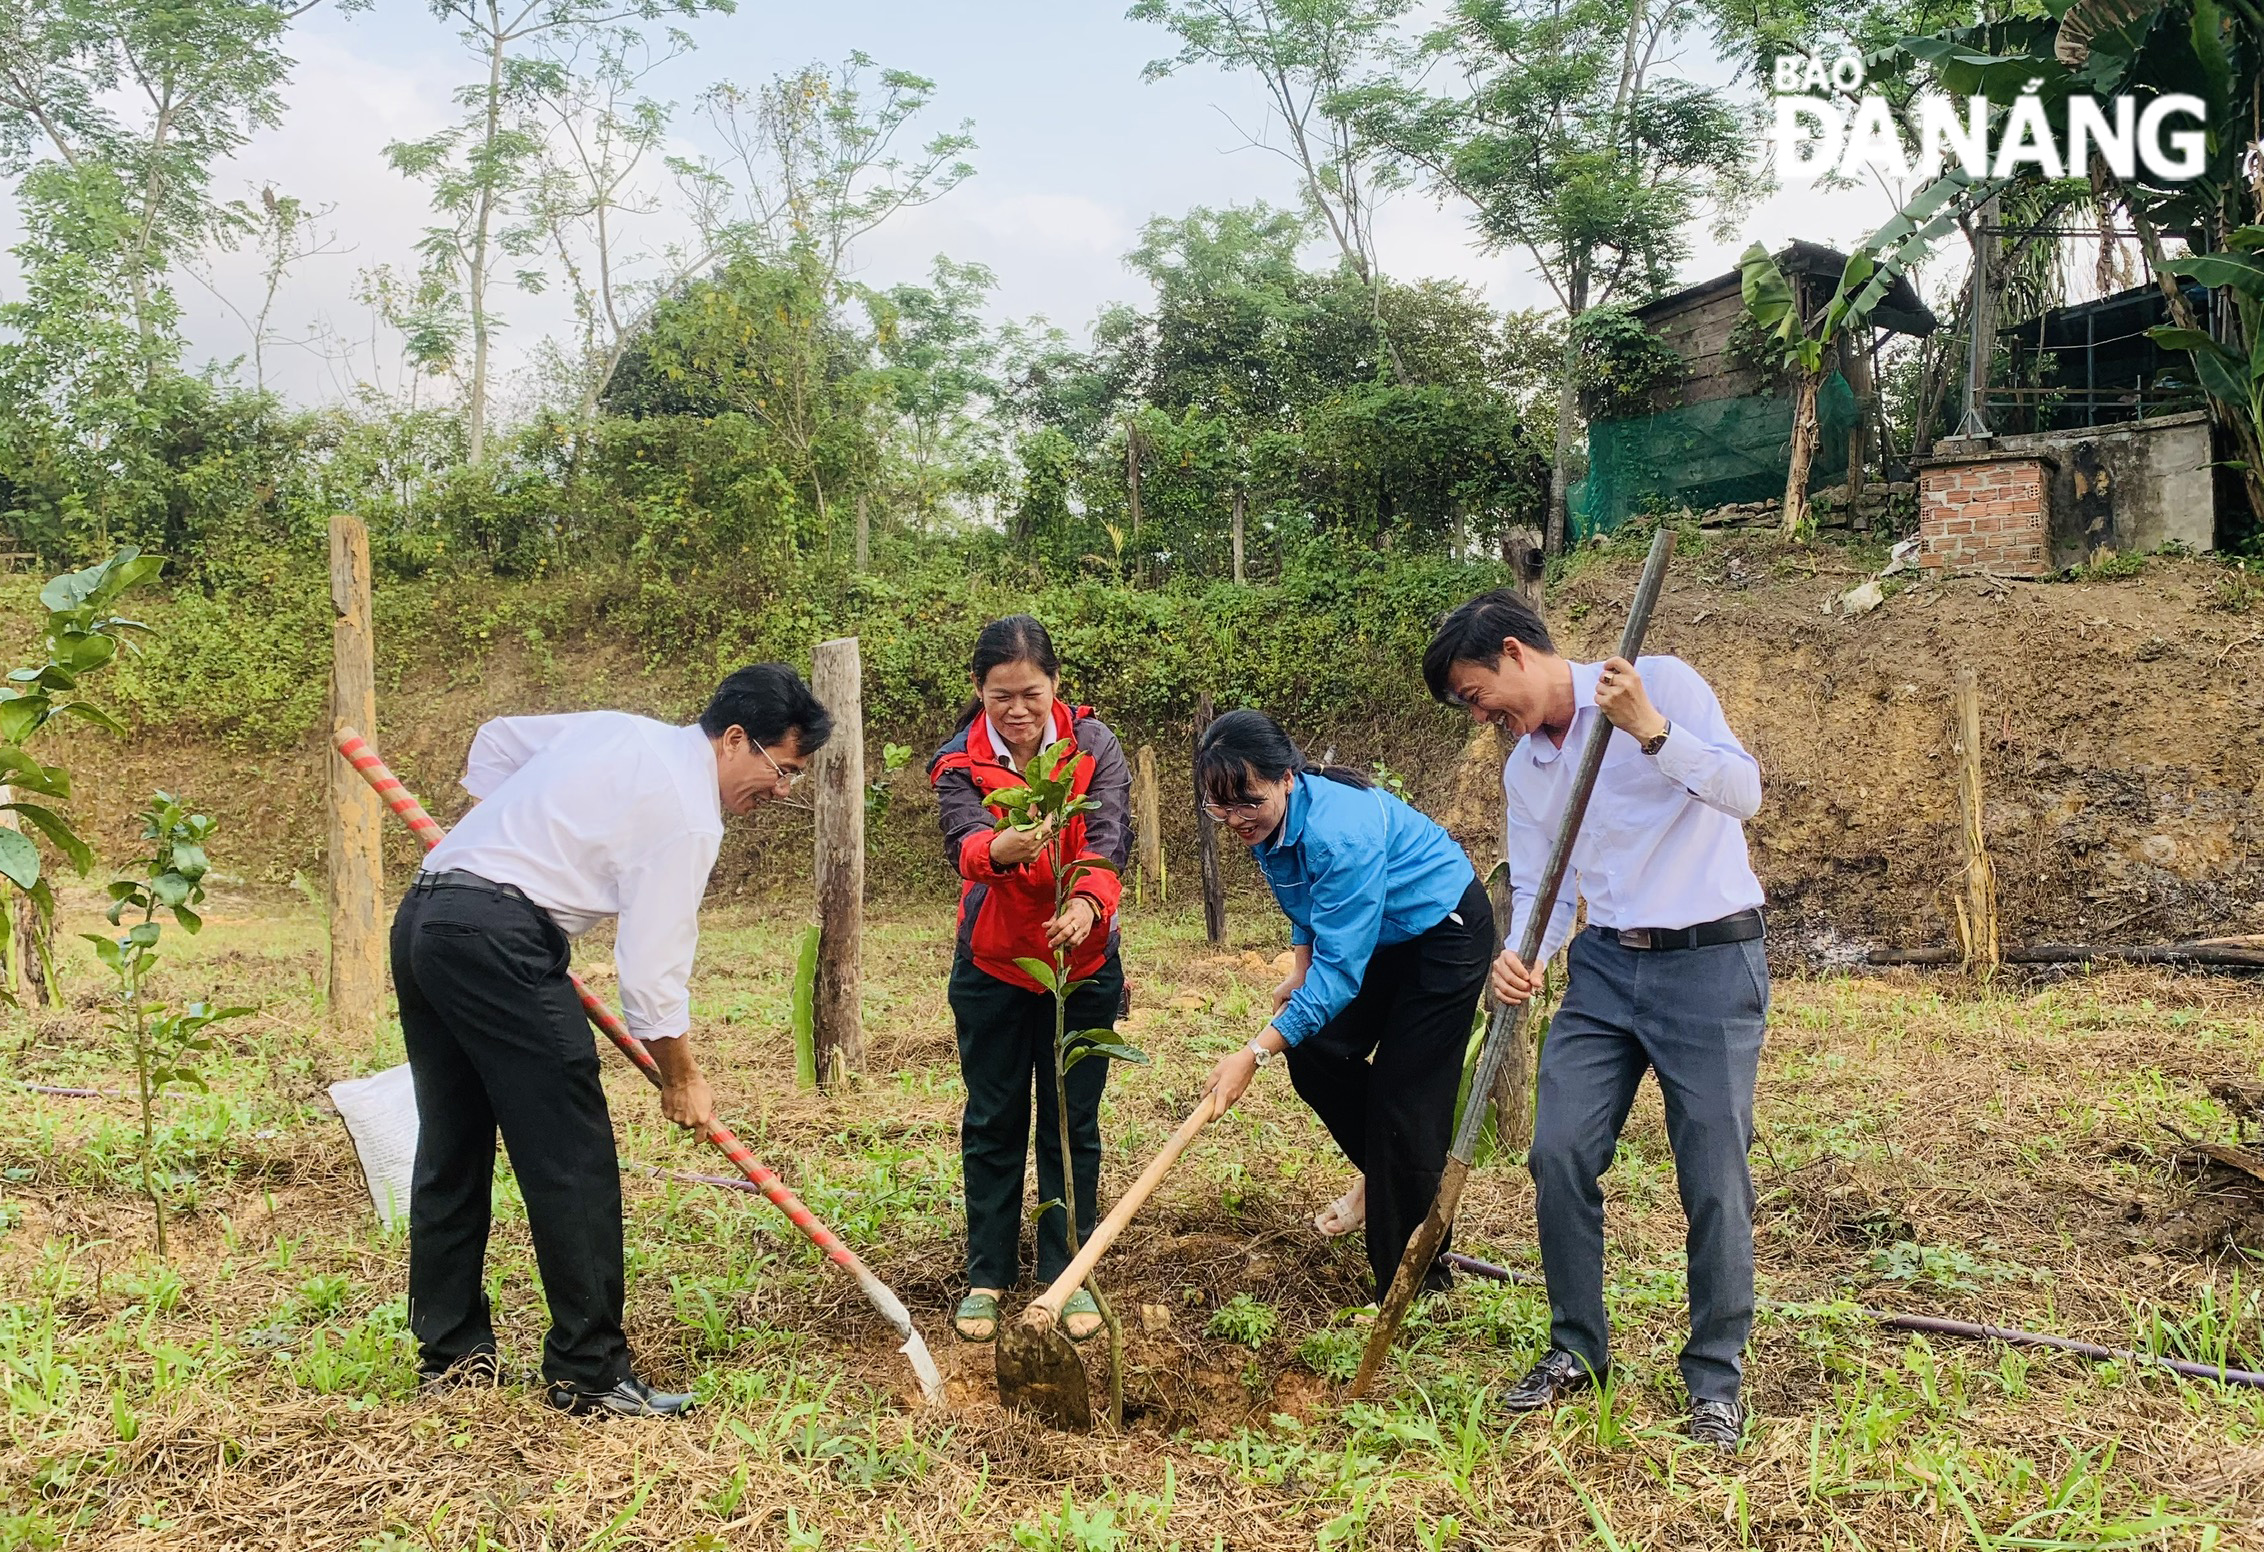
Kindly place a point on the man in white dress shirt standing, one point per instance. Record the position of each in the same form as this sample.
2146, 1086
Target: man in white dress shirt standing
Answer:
1670, 976
580, 818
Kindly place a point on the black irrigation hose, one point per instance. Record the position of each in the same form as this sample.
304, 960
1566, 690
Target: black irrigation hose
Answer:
1935, 1325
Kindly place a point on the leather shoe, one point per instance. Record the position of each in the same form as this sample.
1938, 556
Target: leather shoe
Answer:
627, 1397
1719, 1423
1548, 1382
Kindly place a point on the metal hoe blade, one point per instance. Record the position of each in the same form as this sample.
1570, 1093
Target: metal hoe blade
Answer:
1039, 1371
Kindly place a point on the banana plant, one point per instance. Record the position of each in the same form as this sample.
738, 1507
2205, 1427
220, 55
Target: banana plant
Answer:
2234, 376
80, 636
1043, 805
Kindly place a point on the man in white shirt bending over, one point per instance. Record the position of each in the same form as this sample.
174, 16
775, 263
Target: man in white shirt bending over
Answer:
1670, 976
580, 817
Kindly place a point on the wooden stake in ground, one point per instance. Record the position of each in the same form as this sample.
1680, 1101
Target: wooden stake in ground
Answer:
1977, 903
836, 674
357, 818
1147, 816
1206, 843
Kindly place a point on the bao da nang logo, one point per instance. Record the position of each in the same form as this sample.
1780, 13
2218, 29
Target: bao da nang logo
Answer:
1818, 134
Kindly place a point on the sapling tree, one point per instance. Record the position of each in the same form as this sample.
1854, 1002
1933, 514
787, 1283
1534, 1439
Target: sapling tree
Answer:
1044, 804
166, 1042
80, 636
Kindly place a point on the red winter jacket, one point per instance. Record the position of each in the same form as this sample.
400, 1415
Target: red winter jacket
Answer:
1002, 913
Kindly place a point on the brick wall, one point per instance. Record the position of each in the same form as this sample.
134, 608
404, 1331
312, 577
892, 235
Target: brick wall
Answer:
1985, 512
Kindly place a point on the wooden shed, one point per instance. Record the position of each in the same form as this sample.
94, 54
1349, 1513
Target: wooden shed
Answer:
1699, 321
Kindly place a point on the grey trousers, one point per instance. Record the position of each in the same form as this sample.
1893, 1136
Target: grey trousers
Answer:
1693, 1016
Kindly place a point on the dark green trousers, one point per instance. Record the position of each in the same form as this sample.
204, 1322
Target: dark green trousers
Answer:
1006, 1056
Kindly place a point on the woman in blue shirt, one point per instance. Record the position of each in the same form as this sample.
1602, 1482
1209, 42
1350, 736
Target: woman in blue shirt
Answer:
1392, 933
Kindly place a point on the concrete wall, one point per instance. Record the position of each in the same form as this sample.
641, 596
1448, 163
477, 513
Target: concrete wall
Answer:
2130, 487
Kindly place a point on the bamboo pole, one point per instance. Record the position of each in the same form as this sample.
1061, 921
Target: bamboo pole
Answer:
1206, 842
836, 676
357, 818
1977, 906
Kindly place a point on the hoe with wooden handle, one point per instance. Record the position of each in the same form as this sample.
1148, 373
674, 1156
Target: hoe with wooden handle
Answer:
427, 830
1509, 1021
1038, 1370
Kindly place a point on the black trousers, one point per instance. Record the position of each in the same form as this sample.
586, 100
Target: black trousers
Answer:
497, 1039
1382, 1075
1006, 1053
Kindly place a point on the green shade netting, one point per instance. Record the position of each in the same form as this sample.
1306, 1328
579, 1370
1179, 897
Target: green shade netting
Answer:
1705, 455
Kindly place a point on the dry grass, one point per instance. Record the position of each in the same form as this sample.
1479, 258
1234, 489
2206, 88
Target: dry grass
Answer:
1991, 1153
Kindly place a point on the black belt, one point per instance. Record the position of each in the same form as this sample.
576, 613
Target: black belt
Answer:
1743, 927
458, 878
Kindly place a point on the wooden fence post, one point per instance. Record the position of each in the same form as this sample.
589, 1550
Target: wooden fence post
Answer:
357, 817
1977, 905
836, 674
1147, 801
1206, 841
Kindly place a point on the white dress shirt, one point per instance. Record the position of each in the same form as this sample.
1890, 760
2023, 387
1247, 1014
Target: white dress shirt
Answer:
1663, 844
597, 814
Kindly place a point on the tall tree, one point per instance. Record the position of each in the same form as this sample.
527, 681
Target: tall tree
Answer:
1306, 54
482, 169
813, 163
938, 358
1572, 143
115, 113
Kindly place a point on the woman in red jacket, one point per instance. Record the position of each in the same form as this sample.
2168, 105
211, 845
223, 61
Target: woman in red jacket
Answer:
1006, 912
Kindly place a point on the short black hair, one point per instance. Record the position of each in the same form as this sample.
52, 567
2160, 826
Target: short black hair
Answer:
1474, 633
769, 700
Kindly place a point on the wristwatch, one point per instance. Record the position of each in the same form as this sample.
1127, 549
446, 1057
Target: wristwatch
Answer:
1264, 1054
1658, 740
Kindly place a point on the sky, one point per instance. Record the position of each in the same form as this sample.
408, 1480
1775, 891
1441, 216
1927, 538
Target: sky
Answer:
1075, 152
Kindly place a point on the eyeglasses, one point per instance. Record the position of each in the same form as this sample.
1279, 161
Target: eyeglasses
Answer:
786, 778
1226, 811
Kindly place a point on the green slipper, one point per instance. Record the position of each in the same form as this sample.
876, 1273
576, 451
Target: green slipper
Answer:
1081, 1303
974, 1308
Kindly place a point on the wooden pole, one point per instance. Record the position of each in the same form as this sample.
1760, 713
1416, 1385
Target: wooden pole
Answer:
864, 533
1147, 801
1241, 507
1977, 906
1206, 842
836, 674
357, 816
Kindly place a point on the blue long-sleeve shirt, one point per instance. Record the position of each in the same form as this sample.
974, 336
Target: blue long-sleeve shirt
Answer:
1354, 869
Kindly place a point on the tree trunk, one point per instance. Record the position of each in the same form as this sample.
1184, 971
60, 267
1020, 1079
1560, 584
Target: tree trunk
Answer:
1132, 486
1241, 503
1206, 840
1797, 522
25, 953
475, 398
836, 675
1568, 404
357, 817
864, 533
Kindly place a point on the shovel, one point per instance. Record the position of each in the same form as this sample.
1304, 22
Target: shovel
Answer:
1038, 1370
427, 830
